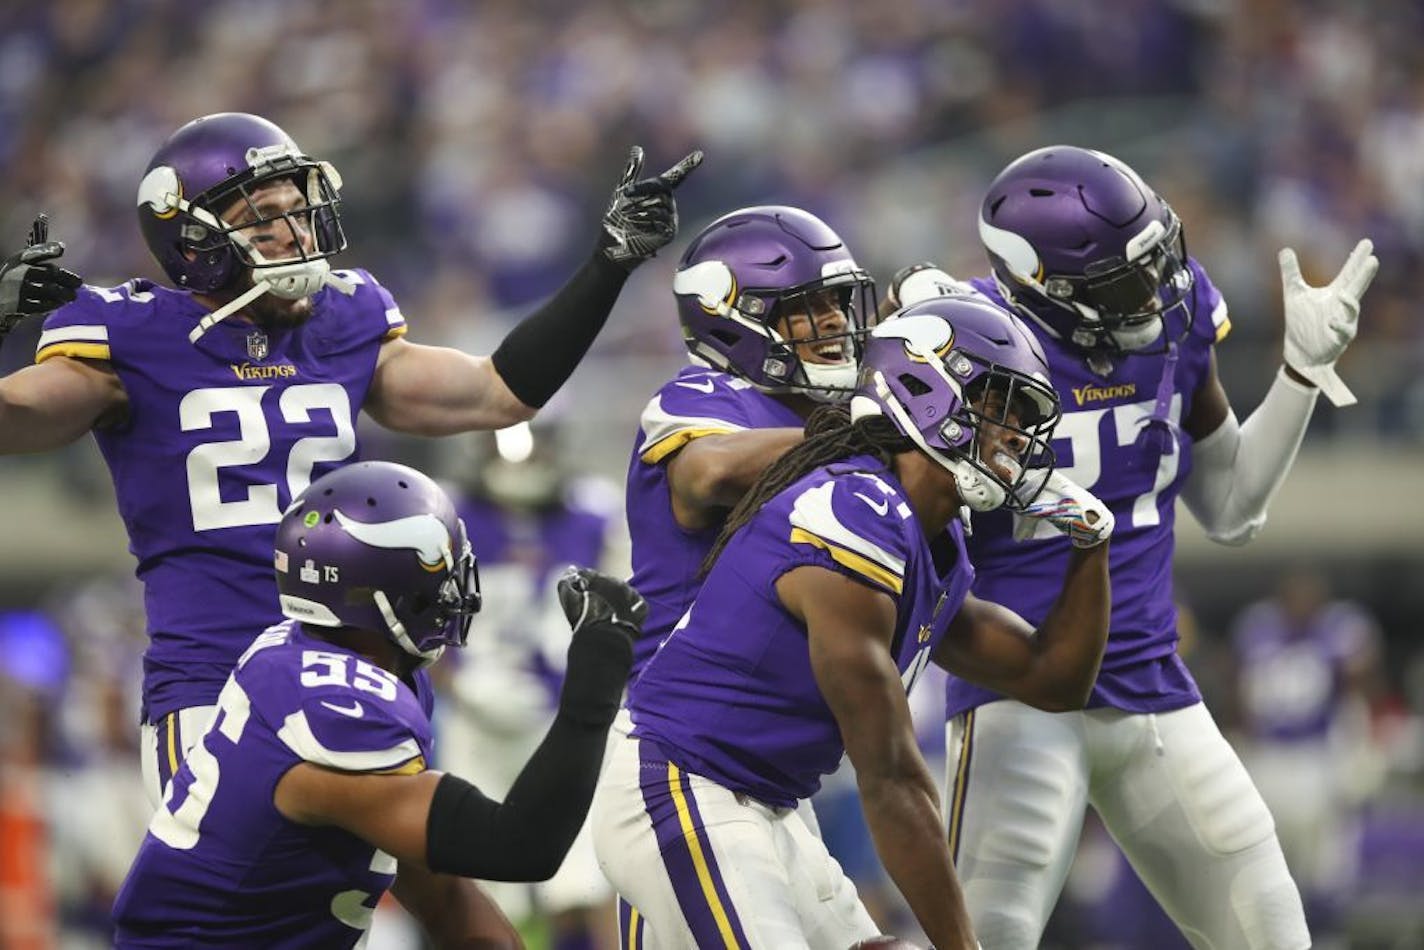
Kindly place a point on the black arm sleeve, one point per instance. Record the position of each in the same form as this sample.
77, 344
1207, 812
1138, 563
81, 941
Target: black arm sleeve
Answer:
526, 837
540, 354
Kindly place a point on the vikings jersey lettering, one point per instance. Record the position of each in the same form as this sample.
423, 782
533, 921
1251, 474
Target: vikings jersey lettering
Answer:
220, 866
666, 557
1294, 676
731, 695
1103, 443
219, 437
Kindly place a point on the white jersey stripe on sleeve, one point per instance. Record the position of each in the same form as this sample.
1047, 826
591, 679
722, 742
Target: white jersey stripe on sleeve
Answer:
81, 333
297, 735
813, 514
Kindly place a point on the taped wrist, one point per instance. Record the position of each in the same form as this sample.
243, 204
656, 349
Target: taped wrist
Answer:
600, 657
542, 351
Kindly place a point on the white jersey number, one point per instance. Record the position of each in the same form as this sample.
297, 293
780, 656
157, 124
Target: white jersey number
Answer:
179, 828
254, 441
1083, 430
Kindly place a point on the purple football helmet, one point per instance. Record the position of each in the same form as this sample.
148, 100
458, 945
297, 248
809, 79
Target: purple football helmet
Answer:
931, 370
207, 165
378, 546
1080, 243
747, 270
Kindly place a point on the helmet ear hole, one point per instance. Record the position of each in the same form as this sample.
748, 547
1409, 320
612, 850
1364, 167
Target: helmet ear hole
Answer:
914, 385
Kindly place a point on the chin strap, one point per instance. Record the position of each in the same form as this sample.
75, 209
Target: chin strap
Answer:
288, 281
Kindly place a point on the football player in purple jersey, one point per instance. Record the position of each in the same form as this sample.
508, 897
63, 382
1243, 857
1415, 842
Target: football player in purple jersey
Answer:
772, 306
1095, 262
309, 793
823, 602
218, 400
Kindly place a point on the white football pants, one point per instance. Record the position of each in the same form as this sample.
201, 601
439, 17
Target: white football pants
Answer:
704, 867
1168, 787
164, 745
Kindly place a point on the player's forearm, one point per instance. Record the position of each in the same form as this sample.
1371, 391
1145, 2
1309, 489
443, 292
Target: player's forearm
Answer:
906, 825
1238, 469
45, 407
1070, 641
540, 354
716, 471
526, 837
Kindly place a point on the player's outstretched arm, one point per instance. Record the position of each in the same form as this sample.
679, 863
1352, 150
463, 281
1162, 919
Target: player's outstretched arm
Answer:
1237, 467
849, 629
711, 474
454, 911
442, 822
1054, 667
54, 403
47, 406
438, 391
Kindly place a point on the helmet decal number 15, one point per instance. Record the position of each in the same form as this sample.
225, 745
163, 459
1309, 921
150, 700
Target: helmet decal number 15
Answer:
260, 506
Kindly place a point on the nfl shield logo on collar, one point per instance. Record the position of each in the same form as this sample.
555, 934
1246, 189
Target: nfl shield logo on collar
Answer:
257, 345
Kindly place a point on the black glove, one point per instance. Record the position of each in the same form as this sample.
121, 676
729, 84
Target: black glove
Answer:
606, 616
642, 215
30, 283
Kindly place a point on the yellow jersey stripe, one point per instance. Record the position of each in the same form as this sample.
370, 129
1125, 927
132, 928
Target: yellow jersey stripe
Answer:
666, 446
87, 351
699, 860
414, 767
394, 332
172, 744
1222, 330
856, 562
961, 784
632, 928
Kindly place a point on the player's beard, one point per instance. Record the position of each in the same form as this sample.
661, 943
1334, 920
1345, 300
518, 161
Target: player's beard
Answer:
276, 314
270, 312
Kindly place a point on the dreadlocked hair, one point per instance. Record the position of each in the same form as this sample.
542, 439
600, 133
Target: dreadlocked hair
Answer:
830, 436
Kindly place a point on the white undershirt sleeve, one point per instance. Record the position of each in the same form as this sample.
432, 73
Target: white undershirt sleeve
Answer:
1237, 469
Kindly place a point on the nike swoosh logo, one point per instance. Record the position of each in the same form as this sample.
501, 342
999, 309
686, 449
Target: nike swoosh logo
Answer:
355, 710
880, 507
706, 386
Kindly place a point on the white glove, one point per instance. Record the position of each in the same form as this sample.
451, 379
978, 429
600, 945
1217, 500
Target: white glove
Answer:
1066, 506
1321, 321
924, 281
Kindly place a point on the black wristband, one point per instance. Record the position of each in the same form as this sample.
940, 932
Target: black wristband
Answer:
540, 354
600, 657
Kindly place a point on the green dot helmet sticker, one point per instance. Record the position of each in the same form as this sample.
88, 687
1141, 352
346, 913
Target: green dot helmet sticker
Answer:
311, 519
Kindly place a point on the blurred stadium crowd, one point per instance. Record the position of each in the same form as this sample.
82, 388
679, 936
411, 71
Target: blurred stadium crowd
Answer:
475, 141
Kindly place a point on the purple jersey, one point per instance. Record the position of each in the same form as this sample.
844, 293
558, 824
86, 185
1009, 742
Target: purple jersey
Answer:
1097, 443
731, 695
220, 436
667, 557
220, 866
1294, 676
